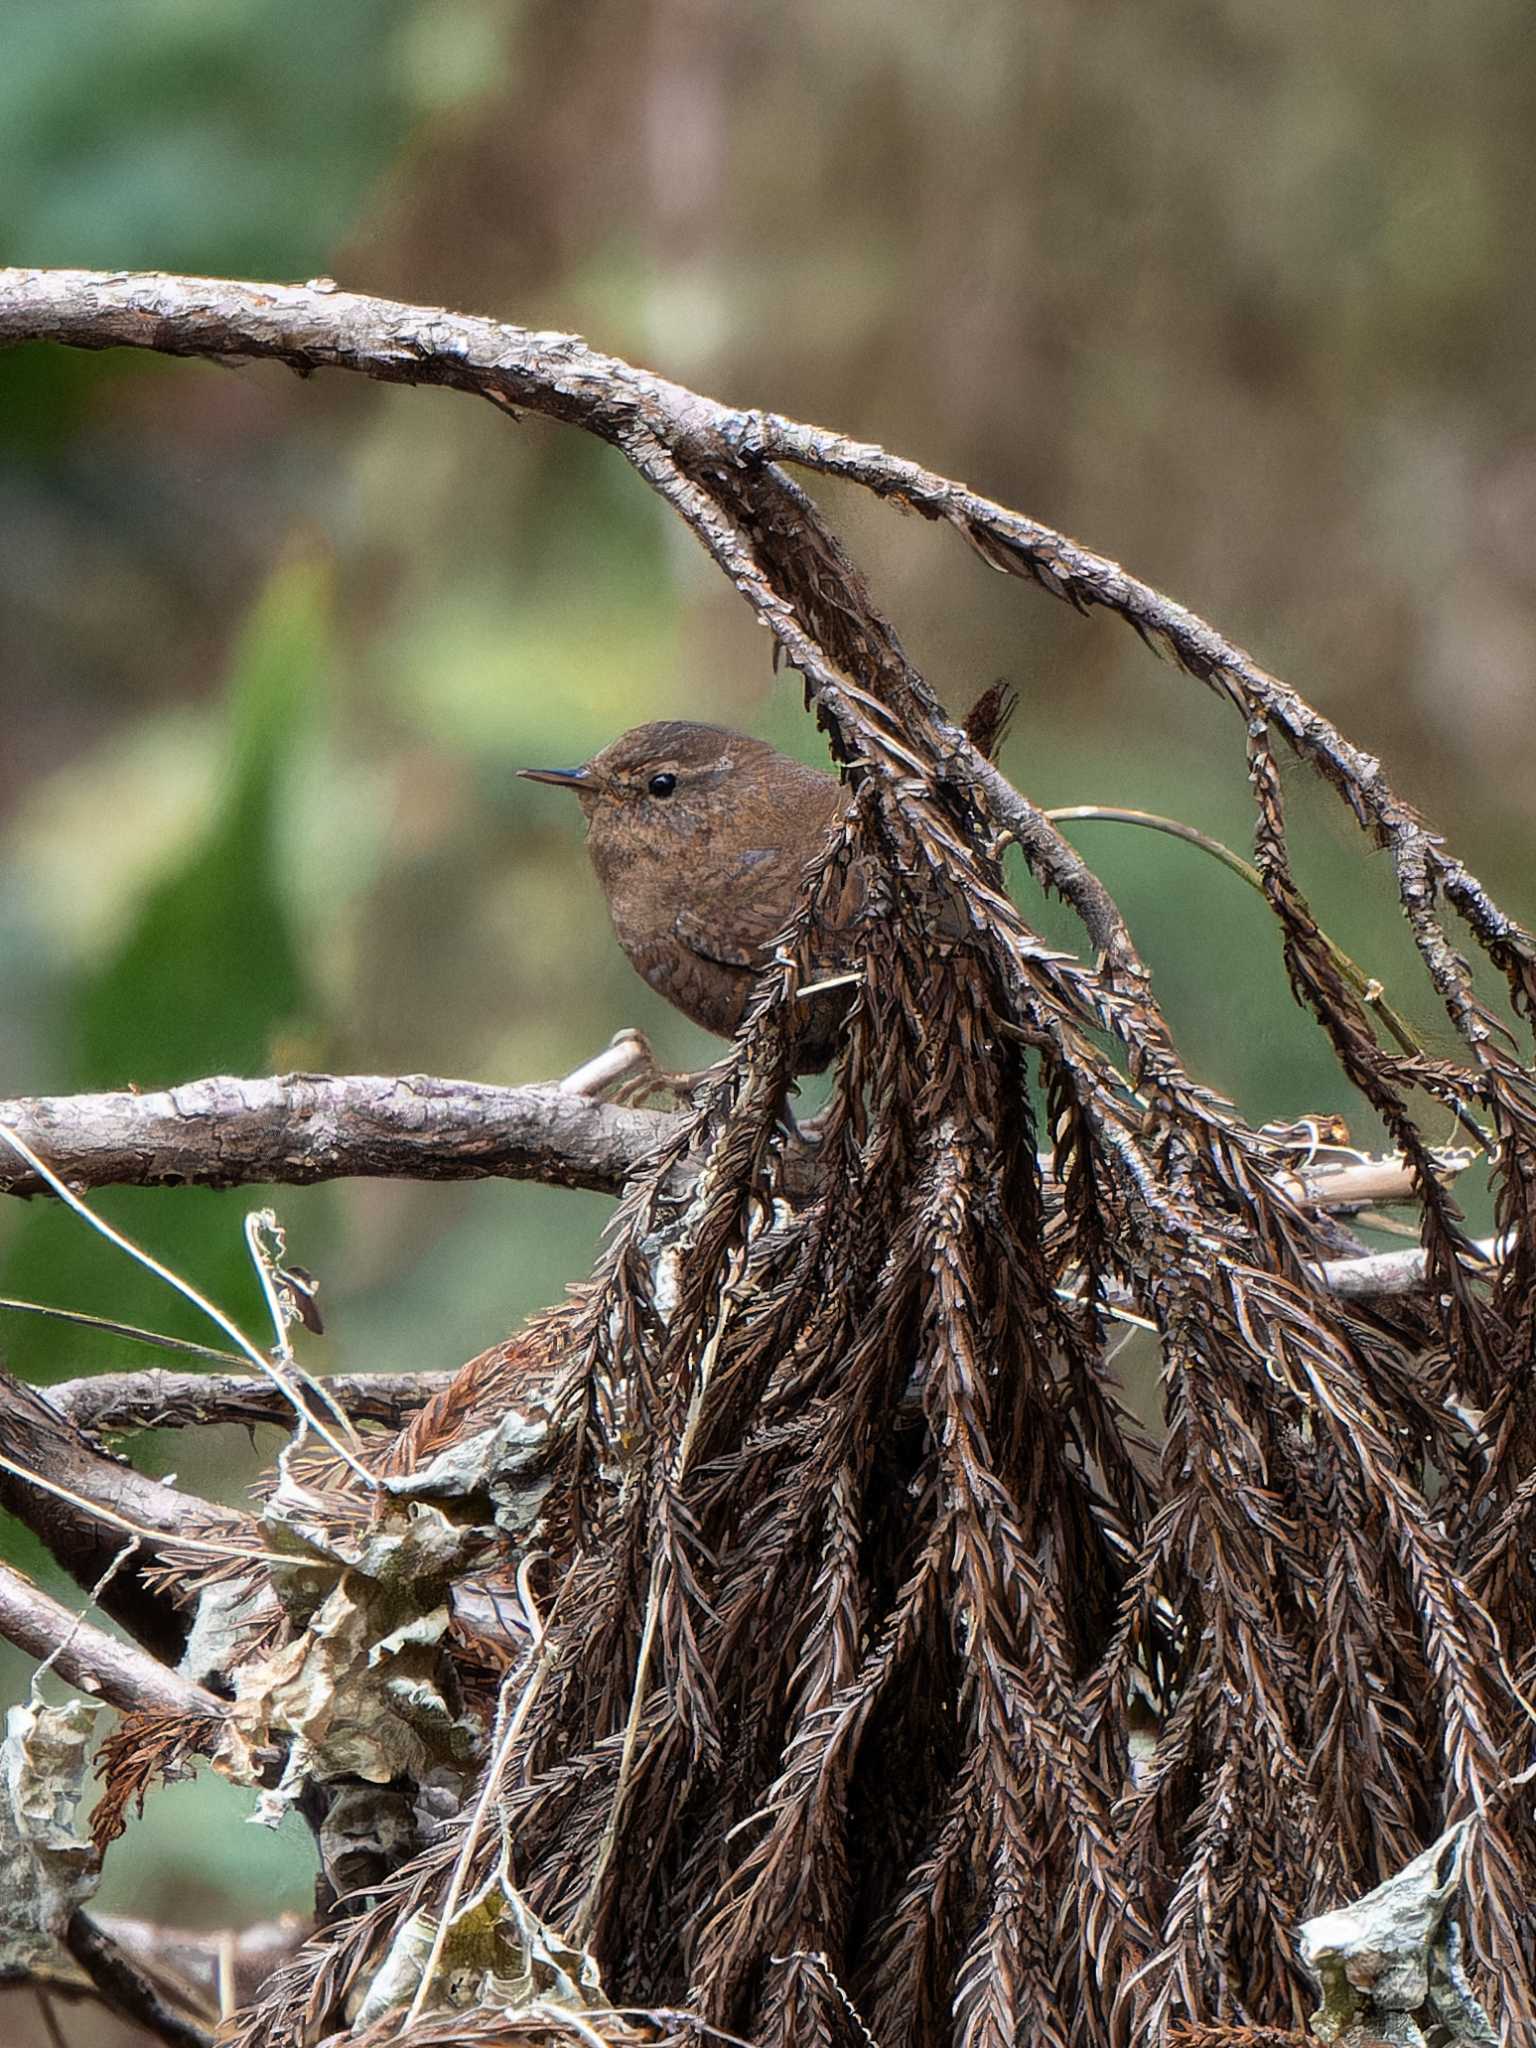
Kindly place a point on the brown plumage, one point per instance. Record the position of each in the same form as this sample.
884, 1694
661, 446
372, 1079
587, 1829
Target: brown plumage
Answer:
701, 838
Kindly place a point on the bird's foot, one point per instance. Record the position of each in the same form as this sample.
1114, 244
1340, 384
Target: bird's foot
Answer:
628, 1072
626, 1056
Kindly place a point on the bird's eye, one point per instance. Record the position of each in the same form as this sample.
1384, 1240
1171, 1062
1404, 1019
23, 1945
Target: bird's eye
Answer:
662, 784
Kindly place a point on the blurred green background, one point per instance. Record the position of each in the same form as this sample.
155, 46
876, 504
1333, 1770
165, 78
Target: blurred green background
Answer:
1242, 296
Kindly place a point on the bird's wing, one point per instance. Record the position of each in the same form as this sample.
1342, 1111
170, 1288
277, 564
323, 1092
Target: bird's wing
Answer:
750, 904
744, 912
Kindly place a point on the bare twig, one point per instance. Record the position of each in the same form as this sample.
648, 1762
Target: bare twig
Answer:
1365, 986
124, 1676
109, 1326
296, 1129
202, 1959
124, 1987
1386, 1273
49, 2018
280, 1366
94, 1499
183, 1400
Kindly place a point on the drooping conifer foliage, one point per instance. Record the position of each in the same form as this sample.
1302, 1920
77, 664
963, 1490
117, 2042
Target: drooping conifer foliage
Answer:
889, 1678
830, 1656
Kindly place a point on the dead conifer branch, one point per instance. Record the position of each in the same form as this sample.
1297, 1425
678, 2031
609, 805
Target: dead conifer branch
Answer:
887, 1673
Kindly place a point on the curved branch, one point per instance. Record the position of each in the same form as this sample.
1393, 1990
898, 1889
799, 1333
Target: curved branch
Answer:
82, 1513
119, 1673
299, 1128
315, 326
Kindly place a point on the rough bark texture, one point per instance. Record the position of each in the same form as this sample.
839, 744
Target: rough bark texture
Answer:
298, 1128
94, 1507
88, 1657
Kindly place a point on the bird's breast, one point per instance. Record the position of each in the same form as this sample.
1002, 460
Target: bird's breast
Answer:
645, 890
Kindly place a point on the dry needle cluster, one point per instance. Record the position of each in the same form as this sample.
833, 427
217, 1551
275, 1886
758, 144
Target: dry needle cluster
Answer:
791, 1634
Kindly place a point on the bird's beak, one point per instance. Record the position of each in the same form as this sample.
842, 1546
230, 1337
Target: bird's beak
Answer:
562, 778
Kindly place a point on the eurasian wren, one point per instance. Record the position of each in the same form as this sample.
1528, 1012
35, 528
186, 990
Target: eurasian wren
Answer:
700, 838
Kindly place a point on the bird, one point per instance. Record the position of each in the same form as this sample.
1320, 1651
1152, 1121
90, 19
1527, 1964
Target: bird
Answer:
700, 838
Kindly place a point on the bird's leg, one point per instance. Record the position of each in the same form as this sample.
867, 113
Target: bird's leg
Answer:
626, 1055
627, 1071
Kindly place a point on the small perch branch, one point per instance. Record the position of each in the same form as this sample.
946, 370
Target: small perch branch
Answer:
179, 1400
296, 1129
91, 1498
1383, 1273
124, 1987
85, 1655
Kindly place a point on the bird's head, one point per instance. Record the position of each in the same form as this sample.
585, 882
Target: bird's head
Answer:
660, 782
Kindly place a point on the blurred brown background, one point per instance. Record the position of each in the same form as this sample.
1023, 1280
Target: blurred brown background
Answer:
1240, 295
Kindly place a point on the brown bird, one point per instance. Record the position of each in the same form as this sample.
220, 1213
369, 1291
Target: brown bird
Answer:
701, 838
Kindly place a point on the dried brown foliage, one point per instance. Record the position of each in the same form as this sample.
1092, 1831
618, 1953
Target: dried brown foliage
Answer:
142, 1750
1236, 2037
873, 1672
858, 1576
